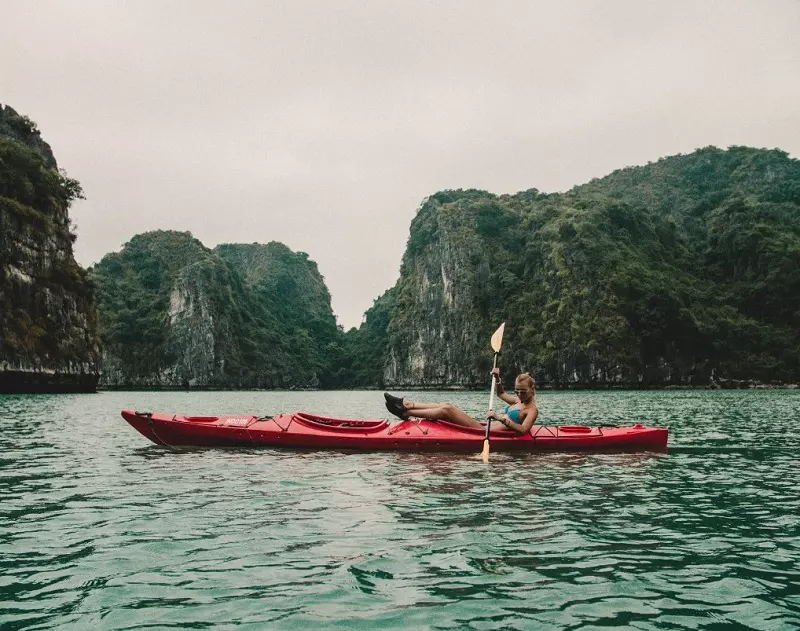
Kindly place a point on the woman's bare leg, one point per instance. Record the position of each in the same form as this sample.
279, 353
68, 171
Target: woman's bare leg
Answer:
445, 412
421, 406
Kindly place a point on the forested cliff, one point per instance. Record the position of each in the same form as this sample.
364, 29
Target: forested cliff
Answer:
681, 272
175, 313
48, 321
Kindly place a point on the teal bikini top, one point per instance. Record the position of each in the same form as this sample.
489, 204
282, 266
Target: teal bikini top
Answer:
512, 414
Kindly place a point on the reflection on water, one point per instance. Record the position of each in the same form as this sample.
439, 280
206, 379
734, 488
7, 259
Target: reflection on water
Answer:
100, 529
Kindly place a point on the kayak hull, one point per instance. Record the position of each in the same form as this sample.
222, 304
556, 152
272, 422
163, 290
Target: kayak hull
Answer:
302, 430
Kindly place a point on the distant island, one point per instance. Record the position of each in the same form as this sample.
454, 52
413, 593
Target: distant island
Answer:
176, 314
684, 272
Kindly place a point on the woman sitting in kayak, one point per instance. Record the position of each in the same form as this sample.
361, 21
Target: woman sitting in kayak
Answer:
519, 415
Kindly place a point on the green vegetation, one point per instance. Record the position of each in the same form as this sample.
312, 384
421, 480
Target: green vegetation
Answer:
32, 191
681, 271
364, 349
300, 342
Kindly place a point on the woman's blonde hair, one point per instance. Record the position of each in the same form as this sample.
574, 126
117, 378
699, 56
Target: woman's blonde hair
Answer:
528, 378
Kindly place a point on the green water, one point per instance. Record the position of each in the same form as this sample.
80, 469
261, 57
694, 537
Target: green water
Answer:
99, 529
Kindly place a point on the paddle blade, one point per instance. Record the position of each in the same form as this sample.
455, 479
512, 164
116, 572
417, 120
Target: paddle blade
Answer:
497, 338
485, 454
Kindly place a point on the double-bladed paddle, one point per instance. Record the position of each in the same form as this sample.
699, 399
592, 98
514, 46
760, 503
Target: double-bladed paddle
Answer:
497, 342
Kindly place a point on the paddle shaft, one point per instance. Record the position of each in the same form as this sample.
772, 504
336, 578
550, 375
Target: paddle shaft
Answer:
497, 342
491, 396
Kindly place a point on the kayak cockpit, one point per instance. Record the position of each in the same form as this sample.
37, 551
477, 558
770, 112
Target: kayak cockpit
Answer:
339, 425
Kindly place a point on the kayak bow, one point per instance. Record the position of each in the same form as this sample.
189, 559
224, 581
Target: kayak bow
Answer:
303, 430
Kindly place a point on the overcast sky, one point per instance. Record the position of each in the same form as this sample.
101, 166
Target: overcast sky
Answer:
324, 124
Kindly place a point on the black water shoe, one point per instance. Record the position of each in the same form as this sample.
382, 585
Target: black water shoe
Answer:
395, 405
392, 399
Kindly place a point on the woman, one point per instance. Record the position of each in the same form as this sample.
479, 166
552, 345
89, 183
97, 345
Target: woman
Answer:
519, 415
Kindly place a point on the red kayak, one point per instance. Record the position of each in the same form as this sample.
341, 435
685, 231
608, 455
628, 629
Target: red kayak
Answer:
309, 430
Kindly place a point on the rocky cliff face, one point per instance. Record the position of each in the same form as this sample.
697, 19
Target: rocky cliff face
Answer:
48, 330
197, 340
440, 315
